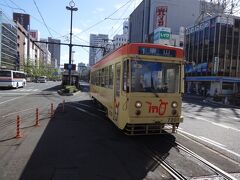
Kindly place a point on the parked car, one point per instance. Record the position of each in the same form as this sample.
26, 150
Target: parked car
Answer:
42, 79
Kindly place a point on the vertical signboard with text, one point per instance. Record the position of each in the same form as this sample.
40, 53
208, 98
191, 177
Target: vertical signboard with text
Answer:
161, 16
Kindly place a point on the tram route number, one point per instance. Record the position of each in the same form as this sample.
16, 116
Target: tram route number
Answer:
172, 119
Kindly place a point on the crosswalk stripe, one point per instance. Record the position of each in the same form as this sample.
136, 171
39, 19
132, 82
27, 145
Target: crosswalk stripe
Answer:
24, 90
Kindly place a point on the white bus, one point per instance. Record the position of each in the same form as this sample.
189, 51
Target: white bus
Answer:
11, 78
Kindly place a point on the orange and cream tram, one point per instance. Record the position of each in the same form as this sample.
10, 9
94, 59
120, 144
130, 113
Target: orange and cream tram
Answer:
140, 85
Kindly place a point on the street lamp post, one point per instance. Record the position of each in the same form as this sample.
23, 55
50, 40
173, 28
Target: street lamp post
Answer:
72, 8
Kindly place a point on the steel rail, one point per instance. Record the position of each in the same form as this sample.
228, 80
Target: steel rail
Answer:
173, 172
217, 170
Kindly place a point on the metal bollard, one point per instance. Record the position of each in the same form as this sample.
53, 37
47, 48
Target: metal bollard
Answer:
37, 118
52, 110
18, 133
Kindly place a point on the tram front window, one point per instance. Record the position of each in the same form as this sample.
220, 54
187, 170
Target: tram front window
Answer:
154, 77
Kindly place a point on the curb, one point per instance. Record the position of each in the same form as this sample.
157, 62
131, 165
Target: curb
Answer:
214, 102
209, 100
67, 94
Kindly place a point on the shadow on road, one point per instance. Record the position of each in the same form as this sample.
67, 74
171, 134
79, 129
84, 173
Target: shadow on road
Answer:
54, 88
78, 145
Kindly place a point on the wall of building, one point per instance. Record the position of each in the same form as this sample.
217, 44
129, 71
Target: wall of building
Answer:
96, 40
143, 20
215, 41
55, 51
137, 19
8, 43
179, 13
21, 45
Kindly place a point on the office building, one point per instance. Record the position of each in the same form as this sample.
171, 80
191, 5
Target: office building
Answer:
96, 40
212, 52
152, 14
55, 51
46, 55
120, 39
8, 43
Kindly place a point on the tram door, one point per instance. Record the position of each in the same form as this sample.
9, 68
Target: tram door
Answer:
117, 91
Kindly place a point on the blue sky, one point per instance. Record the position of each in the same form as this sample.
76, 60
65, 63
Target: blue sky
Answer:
90, 18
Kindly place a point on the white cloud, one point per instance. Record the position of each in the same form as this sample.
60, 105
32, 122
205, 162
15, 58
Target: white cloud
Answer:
76, 30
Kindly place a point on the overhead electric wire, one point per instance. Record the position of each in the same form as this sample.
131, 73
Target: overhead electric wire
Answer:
42, 18
48, 26
121, 17
85, 50
105, 18
81, 39
11, 7
18, 7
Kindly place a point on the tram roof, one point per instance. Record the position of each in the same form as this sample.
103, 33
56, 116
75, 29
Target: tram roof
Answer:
133, 48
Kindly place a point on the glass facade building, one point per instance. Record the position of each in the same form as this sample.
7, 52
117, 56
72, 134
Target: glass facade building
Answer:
8, 43
212, 50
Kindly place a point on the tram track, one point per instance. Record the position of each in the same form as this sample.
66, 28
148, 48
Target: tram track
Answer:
166, 166
214, 168
159, 159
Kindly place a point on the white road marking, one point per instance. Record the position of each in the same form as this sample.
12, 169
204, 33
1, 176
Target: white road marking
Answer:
211, 142
18, 93
10, 100
17, 112
207, 140
216, 124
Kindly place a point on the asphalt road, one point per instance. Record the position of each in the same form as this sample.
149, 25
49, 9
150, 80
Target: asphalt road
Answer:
214, 125
81, 143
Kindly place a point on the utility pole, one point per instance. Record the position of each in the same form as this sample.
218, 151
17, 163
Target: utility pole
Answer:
72, 8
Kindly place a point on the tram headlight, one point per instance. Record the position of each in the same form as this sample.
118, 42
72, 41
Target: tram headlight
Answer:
138, 104
174, 104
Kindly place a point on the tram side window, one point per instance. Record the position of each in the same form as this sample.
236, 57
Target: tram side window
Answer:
126, 75
102, 78
97, 78
93, 78
106, 77
111, 70
118, 76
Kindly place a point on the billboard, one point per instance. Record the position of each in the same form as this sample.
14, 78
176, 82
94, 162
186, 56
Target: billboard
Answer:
34, 34
161, 16
23, 19
162, 35
70, 66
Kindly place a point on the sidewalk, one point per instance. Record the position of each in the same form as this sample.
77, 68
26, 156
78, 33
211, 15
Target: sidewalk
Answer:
209, 100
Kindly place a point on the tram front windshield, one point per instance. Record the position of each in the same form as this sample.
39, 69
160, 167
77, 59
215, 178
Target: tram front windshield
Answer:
157, 77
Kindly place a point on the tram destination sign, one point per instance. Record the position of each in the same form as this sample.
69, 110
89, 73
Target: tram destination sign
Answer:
157, 52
